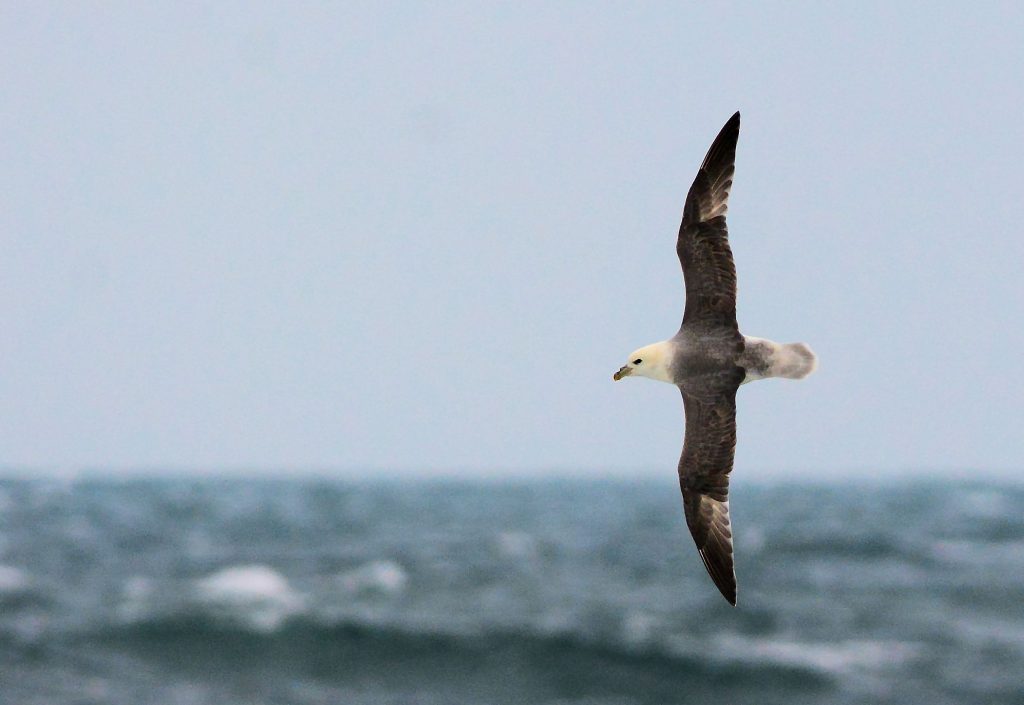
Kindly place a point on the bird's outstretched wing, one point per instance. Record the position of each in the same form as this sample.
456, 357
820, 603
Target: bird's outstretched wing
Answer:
709, 401
703, 244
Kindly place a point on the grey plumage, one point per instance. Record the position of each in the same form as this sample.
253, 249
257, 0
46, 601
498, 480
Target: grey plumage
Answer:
705, 365
703, 242
708, 359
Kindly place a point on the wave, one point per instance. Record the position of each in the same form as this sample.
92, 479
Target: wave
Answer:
843, 657
254, 594
840, 546
12, 580
354, 652
378, 576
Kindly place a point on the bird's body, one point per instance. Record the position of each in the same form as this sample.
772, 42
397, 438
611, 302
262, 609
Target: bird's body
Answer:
689, 351
708, 359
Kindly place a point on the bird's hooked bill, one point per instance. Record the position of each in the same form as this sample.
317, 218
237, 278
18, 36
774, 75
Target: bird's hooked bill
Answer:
624, 371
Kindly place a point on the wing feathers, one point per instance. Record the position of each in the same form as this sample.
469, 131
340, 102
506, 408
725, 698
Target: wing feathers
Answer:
708, 196
708, 448
703, 242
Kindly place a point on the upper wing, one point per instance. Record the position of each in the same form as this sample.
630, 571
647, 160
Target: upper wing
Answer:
709, 401
703, 244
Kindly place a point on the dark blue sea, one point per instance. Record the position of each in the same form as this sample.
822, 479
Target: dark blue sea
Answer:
189, 592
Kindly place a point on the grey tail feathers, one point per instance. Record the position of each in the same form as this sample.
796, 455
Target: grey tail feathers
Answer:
794, 361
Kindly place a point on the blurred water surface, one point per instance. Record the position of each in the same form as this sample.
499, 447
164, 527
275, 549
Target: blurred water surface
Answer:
311, 591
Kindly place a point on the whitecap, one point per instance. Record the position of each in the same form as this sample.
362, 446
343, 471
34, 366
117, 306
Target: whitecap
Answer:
841, 657
137, 593
980, 632
12, 580
380, 576
753, 539
516, 544
638, 628
255, 595
985, 503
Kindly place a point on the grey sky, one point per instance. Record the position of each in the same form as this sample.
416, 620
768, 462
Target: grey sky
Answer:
419, 238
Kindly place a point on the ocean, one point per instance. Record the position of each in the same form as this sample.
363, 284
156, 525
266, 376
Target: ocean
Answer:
196, 592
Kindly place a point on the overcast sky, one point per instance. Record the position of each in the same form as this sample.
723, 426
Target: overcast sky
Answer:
420, 237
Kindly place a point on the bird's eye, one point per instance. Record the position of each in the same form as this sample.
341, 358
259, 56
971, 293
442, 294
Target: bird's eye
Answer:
637, 361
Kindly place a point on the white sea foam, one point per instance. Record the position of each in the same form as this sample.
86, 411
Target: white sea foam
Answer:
752, 539
517, 544
12, 580
987, 631
985, 503
843, 657
253, 594
380, 576
638, 627
137, 593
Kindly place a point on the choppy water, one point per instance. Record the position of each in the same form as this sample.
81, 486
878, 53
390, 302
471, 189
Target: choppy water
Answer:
549, 592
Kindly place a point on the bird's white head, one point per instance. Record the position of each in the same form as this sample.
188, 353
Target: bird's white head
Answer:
651, 361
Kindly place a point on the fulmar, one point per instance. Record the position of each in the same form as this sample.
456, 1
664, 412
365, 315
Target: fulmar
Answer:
708, 359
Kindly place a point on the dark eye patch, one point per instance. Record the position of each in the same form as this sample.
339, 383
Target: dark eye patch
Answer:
637, 361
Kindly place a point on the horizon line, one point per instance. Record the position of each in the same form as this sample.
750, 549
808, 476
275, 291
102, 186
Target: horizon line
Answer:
494, 474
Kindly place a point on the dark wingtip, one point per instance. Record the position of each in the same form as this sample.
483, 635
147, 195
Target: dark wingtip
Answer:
728, 592
726, 584
732, 124
723, 150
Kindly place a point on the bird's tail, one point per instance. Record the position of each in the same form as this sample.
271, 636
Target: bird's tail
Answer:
793, 361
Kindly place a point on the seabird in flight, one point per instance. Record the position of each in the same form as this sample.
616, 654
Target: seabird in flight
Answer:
708, 359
